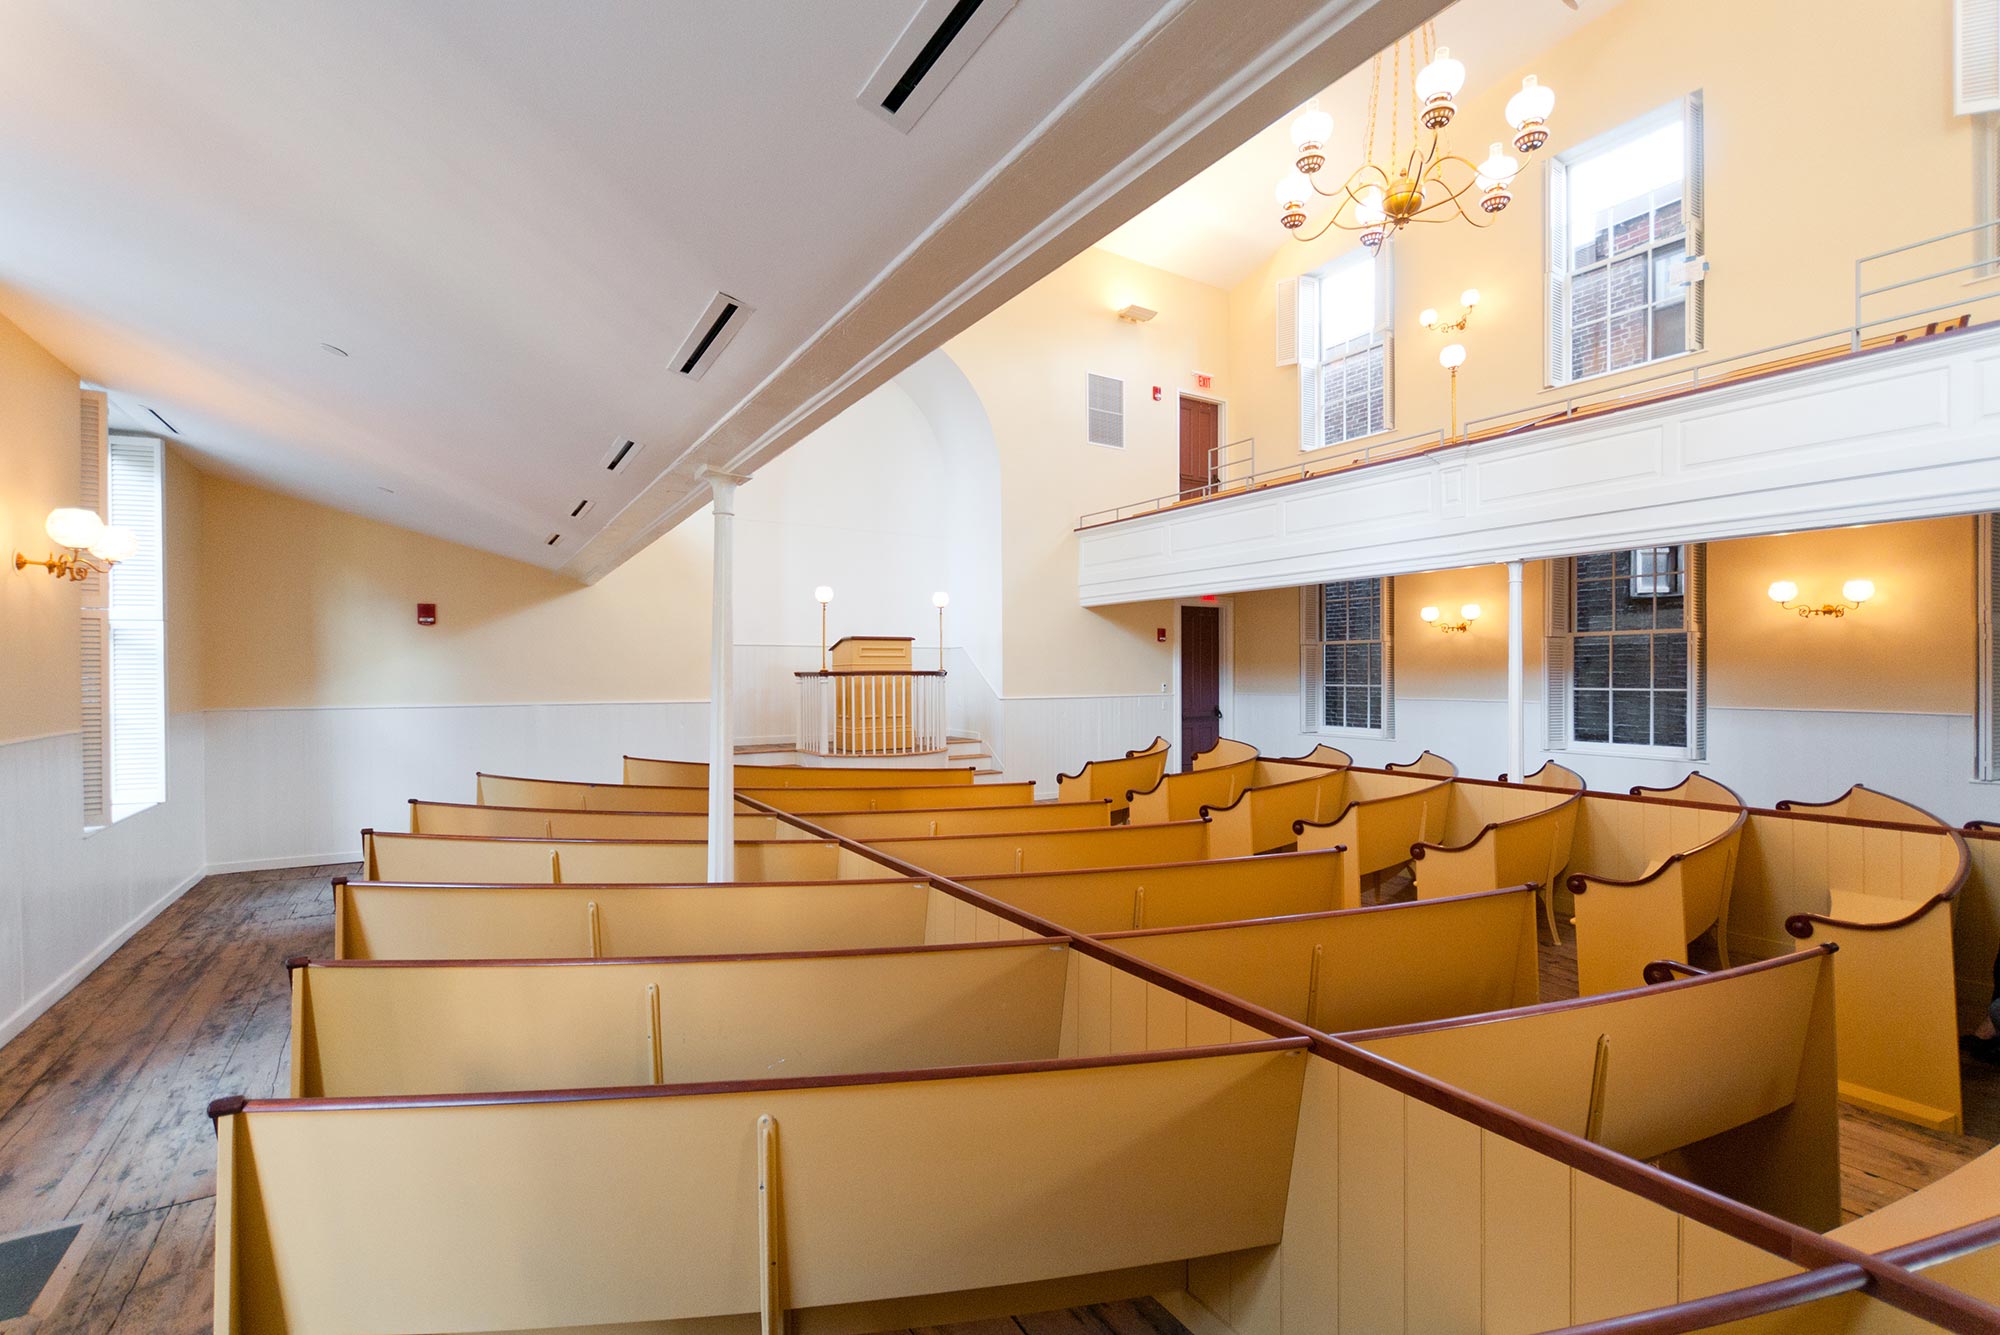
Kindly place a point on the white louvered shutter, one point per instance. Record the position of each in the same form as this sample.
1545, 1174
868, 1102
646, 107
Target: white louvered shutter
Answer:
1976, 42
1986, 737
1694, 211
1388, 591
1106, 409
1312, 659
1286, 305
1561, 605
1555, 264
1696, 603
1312, 375
137, 692
92, 628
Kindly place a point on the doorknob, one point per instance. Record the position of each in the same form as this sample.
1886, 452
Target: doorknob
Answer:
1218, 713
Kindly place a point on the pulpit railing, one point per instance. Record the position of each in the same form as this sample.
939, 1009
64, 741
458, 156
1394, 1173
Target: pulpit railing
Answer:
871, 713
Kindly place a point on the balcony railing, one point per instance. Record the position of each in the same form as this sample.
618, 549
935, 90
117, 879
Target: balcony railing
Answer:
872, 713
1871, 330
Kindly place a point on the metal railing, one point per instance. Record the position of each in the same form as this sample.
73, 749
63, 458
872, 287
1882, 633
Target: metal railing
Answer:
872, 713
1683, 377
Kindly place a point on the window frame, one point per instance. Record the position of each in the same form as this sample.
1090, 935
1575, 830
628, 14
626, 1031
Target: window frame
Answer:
1558, 659
1314, 362
1312, 660
144, 614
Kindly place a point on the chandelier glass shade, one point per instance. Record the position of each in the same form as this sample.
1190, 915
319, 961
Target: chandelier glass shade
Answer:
1428, 183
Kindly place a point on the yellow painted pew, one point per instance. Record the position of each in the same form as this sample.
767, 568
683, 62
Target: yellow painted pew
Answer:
1863, 803
812, 801
564, 823
1625, 922
1362, 968
1182, 796
640, 770
457, 858
1732, 1073
1385, 817
1261, 819
1100, 780
1226, 751
508, 791
1175, 894
870, 826
1552, 775
1427, 762
1696, 787
1500, 835
1051, 850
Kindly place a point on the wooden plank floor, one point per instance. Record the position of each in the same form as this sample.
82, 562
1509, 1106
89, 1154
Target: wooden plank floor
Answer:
103, 1111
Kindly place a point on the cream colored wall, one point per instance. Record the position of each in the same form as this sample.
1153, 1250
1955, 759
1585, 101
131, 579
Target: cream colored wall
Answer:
302, 605
1790, 118
1028, 361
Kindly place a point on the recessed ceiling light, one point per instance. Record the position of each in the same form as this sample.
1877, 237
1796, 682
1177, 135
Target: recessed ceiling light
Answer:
328, 347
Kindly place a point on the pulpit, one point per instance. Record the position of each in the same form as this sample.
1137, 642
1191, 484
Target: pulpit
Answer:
869, 701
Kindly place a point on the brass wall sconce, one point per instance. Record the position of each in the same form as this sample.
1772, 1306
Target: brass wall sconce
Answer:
1428, 318
1856, 591
81, 531
1469, 613
822, 595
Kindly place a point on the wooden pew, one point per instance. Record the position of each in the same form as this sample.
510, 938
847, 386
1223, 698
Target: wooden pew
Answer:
595, 1208
1552, 775
1183, 796
403, 920
1427, 762
451, 858
1051, 850
1385, 817
1362, 968
1696, 787
1500, 835
1113, 779
1863, 803
566, 823
1260, 820
1946, 1229
1622, 923
815, 801
694, 773
1731, 1073
1175, 894
870, 826
1226, 751
507, 791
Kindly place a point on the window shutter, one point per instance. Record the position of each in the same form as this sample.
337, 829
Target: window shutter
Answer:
1561, 606
1388, 381
1312, 376
1694, 210
1555, 261
1388, 657
1106, 408
1976, 40
1312, 660
1385, 329
1287, 306
1986, 737
93, 637
1695, 560
137, 681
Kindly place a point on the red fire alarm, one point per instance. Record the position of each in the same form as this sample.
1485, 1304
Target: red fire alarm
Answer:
1156, 394
1160, 634
427, 614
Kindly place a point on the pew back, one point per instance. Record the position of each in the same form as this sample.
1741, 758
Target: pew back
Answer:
1427, 762
1182, 796
1386, 815
1863, 803
1622, 924
457, 858
640, 770
813, 801
1696, 787
1261, 818
1226, 751
559, 823
1173, 894
1051, 850
871, 826
1113, 779
1526, 838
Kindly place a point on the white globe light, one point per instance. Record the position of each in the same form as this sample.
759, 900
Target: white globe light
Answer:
940, 599
1858, 590
823, 594
1429, 614
1311, 127
1293, 188
71, 527
1498, 169
1427, 317
1443, 77
1783, 591
1469, 298
1470, 611
1368, 207
1532, 103
1451, 356
115, 543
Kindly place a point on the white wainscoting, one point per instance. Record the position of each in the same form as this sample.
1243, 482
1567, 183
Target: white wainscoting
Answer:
1764, 754
69, 899
1906, 432
297, 786
1047, 735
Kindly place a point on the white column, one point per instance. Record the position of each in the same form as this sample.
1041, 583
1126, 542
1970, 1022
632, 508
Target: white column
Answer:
721, 683
1517, 752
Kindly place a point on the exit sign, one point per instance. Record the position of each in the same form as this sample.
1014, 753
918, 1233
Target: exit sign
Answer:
1203, 381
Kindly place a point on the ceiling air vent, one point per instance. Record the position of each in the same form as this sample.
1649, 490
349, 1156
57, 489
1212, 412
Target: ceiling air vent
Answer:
582, 509
621, 450
711, 334
554, 538
1107, 411
936, 44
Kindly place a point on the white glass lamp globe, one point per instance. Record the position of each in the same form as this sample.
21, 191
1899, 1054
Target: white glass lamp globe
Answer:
1429, 614
1292, 188
940, 599
1498, 169
1368, 206
1442, 78
1469, 298
1858, 590
1311, 127
823, 594
115, 543
1533, 103
1451, 356
1783, 591
1470, 611
1427, 317
69, 527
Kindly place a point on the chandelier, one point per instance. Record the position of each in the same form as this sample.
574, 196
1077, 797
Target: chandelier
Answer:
1426, 184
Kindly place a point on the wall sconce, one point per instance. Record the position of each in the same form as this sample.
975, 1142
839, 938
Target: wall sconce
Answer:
940, 600
1135, 314
1452, 356
80, 531
1856, 591
822, 595
1428, 318
1470, 613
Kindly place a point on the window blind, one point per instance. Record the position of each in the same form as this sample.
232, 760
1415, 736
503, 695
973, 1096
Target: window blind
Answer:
137, 688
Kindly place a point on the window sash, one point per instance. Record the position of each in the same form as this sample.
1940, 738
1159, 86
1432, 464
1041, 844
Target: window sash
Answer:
1614, 678
135, 630
1359, 699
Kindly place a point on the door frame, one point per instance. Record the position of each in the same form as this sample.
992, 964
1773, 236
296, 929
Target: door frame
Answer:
1221, 427
1225, 641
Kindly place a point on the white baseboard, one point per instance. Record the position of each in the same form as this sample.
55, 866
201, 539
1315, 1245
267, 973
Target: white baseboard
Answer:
275, 864
36, 1006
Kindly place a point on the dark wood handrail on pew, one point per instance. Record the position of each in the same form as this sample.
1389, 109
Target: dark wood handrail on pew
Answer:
1935, 1302
1773, 1295
1665, 971
735, 957
1982, 827
1790, 804
1801, 925
1410, 766
1529, 886
1528, 780
1660, 794
1158, 743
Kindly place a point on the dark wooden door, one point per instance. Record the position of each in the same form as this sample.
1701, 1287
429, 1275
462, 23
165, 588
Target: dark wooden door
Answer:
1201, 432
1201, 681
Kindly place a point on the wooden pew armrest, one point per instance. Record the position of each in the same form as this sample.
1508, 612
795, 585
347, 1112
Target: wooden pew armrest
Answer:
1866, 913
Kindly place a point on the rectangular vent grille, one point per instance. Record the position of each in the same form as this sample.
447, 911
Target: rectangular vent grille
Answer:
582, 509
1107, 411
711, 334
939, 40
620, 452
554, 538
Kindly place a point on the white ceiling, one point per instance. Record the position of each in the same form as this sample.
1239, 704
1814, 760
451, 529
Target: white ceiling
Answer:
1220, 226
510, 212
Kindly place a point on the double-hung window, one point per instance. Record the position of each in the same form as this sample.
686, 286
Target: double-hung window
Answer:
1347, 658
1336, 324
1626, 658
1624, 224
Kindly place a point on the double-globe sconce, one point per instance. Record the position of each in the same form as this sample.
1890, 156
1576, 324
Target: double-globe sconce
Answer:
824, 595
1856, 591
1468, 614
82, 531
